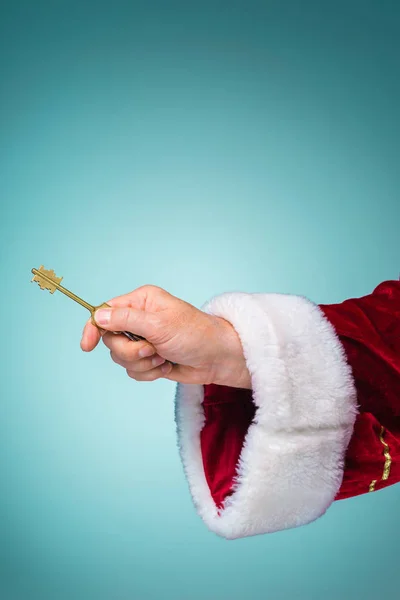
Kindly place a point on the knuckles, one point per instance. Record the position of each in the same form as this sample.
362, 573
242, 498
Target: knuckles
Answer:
120, 348
149, 287
120, 318
126, 354
123, 355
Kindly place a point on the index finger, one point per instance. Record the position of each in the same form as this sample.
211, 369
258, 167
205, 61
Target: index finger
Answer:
90, 337
91, 334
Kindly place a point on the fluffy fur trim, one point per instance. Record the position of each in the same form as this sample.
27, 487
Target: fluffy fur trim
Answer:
291, 464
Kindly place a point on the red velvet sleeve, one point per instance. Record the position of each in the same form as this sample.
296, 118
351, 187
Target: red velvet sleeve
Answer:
321, 422
369, 330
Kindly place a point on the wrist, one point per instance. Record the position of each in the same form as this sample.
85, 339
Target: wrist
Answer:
231, 369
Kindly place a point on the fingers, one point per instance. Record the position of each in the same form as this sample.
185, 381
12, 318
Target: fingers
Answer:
184, 374
91, 334
152, 374
129, 355
126, 350
90, 337
140, 366
125, 318
134, 312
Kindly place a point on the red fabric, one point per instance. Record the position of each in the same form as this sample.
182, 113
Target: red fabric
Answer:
369, 330
228, 414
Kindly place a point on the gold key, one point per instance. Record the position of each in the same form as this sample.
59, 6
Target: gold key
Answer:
48, 280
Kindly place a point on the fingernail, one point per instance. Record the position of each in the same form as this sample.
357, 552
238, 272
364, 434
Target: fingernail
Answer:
146, 351
166, 368
102, 316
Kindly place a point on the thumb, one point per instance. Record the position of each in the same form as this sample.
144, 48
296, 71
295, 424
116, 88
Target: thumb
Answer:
125, 319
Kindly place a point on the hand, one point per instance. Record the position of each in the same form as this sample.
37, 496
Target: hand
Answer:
206, 348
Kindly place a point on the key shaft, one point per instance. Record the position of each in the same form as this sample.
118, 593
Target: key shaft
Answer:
65, 291
53, 285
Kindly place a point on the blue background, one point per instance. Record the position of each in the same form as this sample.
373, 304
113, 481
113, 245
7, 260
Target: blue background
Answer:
203, 147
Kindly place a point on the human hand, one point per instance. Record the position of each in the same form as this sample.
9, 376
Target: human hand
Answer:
205, 348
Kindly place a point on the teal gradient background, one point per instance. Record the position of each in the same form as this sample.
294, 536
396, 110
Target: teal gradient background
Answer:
203, 147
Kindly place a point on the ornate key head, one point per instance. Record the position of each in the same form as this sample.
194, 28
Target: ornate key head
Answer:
46, 279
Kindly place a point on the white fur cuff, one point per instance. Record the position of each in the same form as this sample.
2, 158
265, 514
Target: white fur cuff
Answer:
291, 464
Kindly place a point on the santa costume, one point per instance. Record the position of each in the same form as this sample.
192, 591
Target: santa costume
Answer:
321, 422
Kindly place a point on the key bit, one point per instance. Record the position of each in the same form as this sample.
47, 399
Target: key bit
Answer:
47, 280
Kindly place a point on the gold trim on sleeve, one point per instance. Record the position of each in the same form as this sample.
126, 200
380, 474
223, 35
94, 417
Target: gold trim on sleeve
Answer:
388, 461
386, 454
